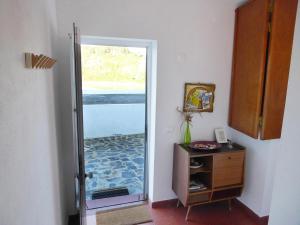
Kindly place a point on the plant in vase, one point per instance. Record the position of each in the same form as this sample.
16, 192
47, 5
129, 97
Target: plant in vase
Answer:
187, 115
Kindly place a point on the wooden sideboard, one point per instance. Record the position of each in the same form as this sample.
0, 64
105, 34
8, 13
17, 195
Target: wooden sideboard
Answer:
222, 174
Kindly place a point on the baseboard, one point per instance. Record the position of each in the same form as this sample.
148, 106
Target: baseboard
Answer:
165, 203
261, 220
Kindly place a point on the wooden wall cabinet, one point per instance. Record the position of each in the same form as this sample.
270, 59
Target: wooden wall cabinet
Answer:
222, 174
264, 31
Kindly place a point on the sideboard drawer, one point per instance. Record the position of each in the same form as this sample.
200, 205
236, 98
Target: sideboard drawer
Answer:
198, 198
228, 169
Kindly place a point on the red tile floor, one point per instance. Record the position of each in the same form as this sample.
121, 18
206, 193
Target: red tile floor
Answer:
210, 214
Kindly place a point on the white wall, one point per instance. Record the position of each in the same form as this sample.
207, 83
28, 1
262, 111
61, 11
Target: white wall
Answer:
30, 175
194, 45
259, 172
105, 120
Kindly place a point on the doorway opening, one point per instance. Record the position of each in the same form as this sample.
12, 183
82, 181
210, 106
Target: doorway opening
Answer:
115, 120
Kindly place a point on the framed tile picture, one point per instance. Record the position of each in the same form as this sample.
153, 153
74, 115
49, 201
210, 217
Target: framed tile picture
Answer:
199, 97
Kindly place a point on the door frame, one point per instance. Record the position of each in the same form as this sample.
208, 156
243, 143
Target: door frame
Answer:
77, 116
150, 106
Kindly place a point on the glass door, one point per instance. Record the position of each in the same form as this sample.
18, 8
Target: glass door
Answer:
114, 123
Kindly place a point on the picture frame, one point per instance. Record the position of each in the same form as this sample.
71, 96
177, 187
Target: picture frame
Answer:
221, 135
199, 97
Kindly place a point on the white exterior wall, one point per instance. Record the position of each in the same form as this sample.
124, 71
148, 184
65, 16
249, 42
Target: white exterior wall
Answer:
104, 120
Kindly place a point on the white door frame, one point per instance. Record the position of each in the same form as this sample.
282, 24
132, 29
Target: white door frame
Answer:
151, 64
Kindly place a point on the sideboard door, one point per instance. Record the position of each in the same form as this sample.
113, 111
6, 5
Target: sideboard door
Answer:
228, 169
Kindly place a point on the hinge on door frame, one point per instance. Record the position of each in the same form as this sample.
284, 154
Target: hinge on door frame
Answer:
260, 121
270, 26
271, 6
271, 9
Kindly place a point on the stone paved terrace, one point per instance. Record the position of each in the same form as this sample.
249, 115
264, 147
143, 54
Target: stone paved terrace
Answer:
116, 161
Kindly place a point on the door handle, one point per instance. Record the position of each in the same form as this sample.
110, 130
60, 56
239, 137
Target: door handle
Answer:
89, 175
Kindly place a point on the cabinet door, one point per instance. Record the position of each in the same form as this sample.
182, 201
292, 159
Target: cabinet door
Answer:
281, 41
228, 169
249, 60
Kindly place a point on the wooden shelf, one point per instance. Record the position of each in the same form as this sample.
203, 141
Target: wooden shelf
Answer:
191, 193
228, 187
200, 170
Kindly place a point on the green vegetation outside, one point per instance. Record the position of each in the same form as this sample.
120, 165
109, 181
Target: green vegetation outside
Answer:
113, 68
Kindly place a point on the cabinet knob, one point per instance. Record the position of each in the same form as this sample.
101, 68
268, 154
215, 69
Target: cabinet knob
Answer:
229, 157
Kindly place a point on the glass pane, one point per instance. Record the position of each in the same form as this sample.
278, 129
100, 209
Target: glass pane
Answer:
114, 83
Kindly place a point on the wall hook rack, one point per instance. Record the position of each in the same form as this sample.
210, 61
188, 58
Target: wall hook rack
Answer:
33, 61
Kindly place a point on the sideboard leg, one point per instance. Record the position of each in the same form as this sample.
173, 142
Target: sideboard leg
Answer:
178, 203
187, 213
229, 204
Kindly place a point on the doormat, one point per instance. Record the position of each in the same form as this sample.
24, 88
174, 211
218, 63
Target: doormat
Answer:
125, 216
